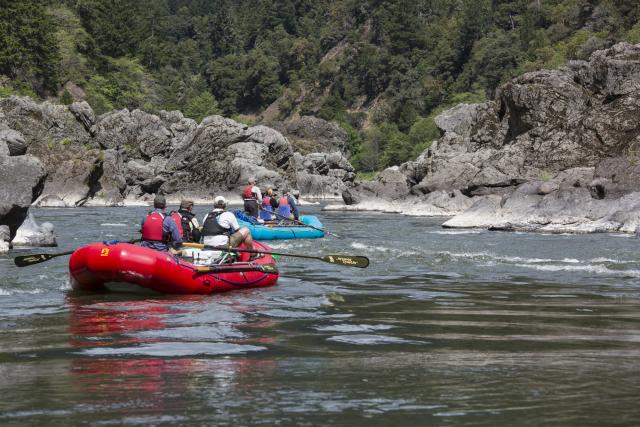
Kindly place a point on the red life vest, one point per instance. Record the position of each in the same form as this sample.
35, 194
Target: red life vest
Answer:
266, 201
247, 193
177, 218
284, 201
152, 227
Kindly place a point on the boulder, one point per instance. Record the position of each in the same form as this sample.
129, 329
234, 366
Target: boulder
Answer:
32, 234
4, 239
21, 182
83, 112
13, 141
310, 134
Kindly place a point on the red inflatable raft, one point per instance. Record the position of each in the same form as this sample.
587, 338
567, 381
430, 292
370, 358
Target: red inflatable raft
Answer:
118, 266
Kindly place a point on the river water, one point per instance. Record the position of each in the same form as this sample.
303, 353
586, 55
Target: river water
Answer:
446, 327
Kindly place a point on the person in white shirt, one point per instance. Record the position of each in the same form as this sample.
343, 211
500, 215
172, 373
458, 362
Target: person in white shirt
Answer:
221, 228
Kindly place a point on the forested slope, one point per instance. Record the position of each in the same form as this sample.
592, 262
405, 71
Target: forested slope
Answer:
382, 69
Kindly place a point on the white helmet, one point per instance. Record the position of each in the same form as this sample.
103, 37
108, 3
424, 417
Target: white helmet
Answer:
220, 201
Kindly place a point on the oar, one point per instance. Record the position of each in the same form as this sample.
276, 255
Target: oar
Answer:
26, 260
302, 223
263, 268
346, 260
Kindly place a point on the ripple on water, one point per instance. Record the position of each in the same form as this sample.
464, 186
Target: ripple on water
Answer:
174, 349
344, 327
366, 339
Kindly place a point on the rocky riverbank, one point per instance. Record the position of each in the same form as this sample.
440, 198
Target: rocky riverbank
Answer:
58, 156
131, 155
554, 151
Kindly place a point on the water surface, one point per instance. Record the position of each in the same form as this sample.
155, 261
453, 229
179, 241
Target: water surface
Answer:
446, 327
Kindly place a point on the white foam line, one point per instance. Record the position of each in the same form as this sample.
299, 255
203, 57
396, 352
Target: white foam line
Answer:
598, 269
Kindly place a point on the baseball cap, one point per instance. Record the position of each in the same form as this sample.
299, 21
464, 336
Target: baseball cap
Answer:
219, 200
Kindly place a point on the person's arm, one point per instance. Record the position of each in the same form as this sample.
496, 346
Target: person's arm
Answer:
294, 207
172, 229
233, 222
258, 193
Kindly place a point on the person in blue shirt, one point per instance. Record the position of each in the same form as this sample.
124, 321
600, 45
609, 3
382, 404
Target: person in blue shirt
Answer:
292, 198
158, 229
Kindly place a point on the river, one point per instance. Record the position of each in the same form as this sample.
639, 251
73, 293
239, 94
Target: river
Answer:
446, 327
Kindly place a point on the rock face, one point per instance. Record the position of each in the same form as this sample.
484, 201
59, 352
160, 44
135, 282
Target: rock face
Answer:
130, 155
311, 134
554, 151
21, 182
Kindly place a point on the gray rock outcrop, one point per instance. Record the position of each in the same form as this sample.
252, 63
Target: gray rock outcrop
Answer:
21, 182
556, 150
130, 155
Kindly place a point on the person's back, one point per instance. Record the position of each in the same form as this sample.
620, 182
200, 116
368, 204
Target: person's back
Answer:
252, 196
292, 199
188, 222
220, 227
267, 207
158, 229
284, 209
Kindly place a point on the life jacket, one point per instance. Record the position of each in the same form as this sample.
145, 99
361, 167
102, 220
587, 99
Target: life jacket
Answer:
177, 218
212, 227
185, 226
152, 228
248, 193
265, 212
266, 204
283, 207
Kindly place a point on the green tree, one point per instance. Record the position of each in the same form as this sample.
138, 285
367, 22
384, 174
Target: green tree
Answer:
201, 106
28, 48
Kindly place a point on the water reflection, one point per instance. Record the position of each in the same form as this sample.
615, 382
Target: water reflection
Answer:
107, 335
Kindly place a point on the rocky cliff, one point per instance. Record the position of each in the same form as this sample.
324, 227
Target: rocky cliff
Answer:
554, 151
129, 155
66, 156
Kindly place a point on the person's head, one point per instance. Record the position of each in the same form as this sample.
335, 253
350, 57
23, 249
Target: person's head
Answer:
219, 202
159, 202
186, 205
269, 191
252, 181
296, 194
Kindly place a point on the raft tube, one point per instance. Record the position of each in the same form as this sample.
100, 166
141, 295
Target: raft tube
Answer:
275, 231
123, 266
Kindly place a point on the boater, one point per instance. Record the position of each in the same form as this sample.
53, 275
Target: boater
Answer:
187, 222
252, 197
221, 228
158, 229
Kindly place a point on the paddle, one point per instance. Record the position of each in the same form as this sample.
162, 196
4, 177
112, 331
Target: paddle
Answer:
346, 260
26, 260
264, 268
302, 223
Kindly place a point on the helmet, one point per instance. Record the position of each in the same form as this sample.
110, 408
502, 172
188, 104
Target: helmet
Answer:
220, 201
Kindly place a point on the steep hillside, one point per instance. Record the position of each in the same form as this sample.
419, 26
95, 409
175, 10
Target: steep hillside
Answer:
381, 69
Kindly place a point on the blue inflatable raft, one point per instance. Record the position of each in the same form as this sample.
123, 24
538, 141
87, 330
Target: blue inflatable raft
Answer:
281, 231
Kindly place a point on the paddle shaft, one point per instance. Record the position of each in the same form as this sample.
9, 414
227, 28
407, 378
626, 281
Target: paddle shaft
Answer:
26, 260
346, 260
302, 223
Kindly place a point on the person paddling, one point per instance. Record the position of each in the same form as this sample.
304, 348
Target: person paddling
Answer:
252, 197
269, 202
187, 222
287, 206
158, 229
220, 227
293, 198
